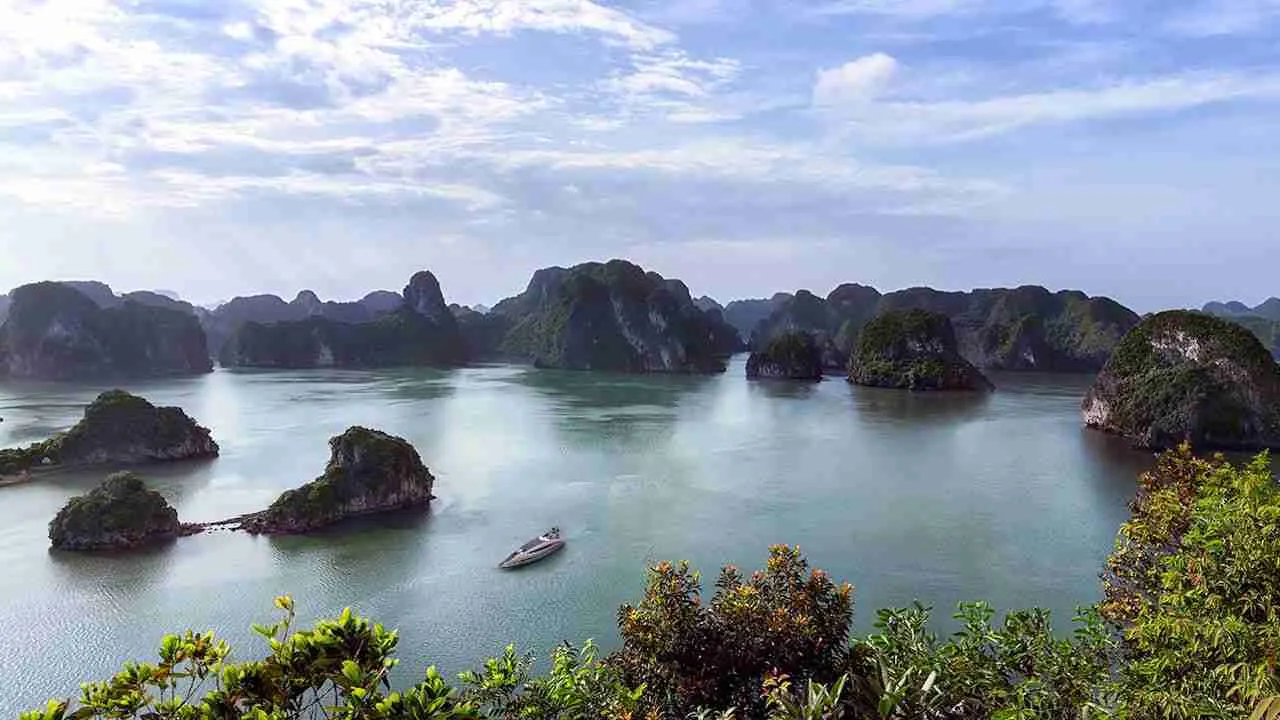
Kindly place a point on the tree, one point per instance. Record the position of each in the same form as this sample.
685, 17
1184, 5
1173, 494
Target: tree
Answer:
784, 620
1194, 585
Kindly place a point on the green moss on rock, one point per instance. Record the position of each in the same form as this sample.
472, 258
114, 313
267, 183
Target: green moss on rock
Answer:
914, 350
120, 513
117, 427
1183, 375
368, 472
789, 356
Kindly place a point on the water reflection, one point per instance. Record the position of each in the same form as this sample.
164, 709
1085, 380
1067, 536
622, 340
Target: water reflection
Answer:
898, 406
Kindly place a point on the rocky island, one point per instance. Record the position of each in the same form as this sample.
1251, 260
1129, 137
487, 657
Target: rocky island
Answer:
421, 331
912, 350
1183, 375
117, 428
790, 356
54, 331
1023, 328
613, 316
368, 472
120, 513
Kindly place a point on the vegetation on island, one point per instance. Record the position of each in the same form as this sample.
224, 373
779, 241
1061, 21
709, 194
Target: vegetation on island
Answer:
1189, 628
368, 471
612, 316
1182, 375
915, 350
117, 427
120, 513
790, 356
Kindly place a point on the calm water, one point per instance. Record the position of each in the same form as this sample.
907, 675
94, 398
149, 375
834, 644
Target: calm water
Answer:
942, 498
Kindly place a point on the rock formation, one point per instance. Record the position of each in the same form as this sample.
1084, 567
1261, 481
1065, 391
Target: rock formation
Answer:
1025, 328
790, 356
613, 316
119, 513
913, 350
1188, 376
421, 331
54, 332
117, 428
225, 321
368, 472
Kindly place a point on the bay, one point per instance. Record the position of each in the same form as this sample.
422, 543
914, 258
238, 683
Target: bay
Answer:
940, 498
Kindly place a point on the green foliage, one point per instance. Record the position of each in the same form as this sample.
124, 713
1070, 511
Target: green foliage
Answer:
120, 512
337, 669
398, 338
913, 349
785, 619
1019, 669
1195, 584
578, 687
794, 355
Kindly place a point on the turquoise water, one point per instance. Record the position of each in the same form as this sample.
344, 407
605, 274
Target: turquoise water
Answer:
937, 497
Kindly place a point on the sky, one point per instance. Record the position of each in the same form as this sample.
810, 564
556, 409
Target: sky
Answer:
229, 147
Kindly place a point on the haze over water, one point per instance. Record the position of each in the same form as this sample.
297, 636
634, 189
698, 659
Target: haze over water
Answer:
937, 497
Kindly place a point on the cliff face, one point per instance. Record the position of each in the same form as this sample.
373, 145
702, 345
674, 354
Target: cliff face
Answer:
613, 316
745, 315
55, 332
790, 356
421, 331
1188, 376
368, 472
117, 428
912, 350
119, 513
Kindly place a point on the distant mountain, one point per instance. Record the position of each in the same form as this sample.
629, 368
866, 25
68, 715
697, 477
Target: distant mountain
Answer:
224, 321
155, 299
746, 314
1263, 320
420, 331
1025, 328
55, 331
1269, 309
611, 316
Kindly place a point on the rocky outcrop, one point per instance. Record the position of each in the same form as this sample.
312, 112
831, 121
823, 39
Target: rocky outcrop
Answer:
790, 356
613, 316
912, 350
481, 332
707, 304
120, 513
117, 428
368, 472
4, 308
818, 318
1188, 376
154, 299
419, 332
54, 332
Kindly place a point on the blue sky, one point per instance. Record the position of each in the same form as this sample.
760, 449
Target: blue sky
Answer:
745, 146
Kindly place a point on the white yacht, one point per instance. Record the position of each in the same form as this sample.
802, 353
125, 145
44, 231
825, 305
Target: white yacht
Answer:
536, 549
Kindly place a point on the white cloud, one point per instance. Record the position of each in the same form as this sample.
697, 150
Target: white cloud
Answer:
1207, 18
855, 81
559, 16
960, 120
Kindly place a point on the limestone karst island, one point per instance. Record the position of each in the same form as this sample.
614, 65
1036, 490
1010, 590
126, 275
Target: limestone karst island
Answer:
639, 360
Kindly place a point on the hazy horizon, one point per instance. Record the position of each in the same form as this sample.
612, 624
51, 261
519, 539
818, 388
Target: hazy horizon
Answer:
746, 147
